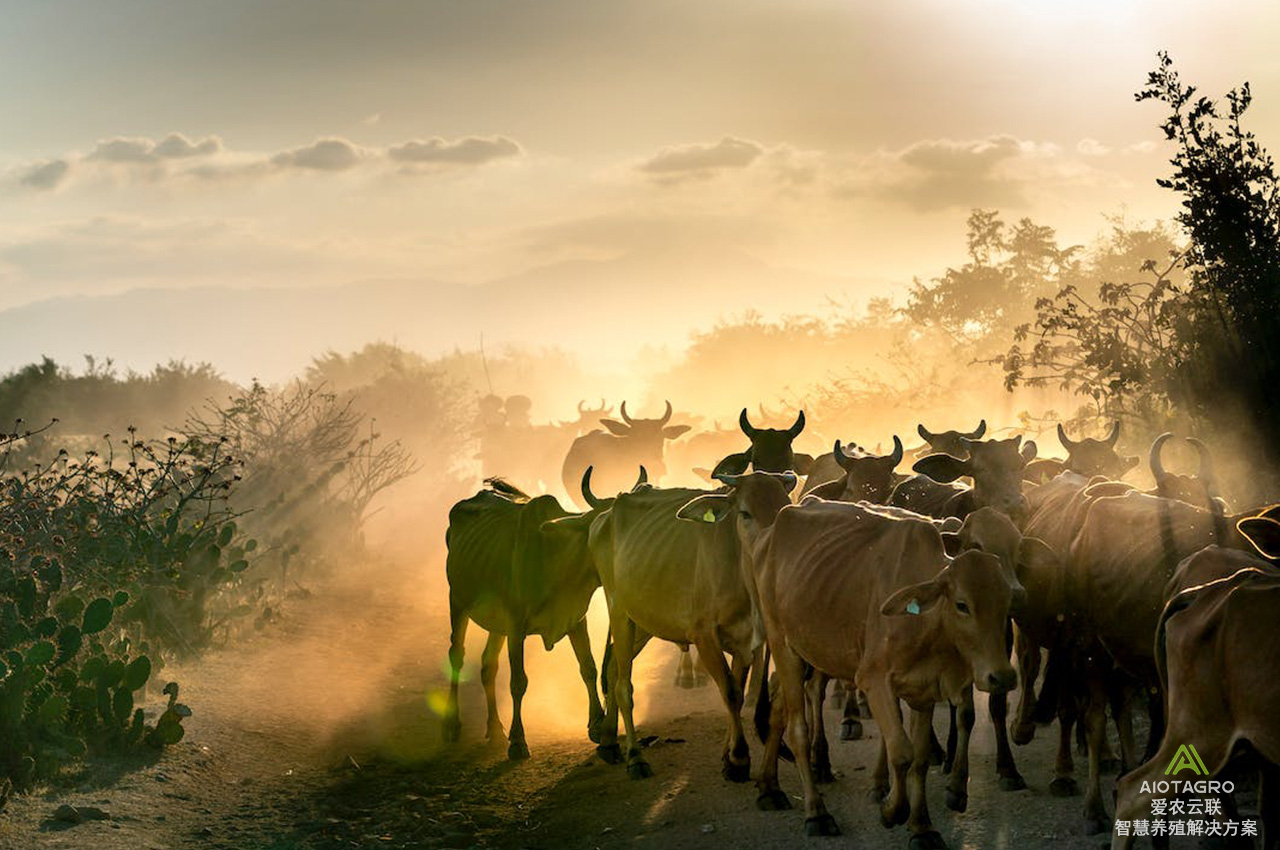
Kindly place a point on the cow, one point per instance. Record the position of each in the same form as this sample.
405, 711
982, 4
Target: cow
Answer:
1210, 632
615, 455
947, 442
516, 568
845, 476
679, 582
1124, 555
994, 465
867, 594
1086, 456
770, 450
1199, 489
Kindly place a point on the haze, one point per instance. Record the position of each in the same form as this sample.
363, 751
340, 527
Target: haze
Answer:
251, 183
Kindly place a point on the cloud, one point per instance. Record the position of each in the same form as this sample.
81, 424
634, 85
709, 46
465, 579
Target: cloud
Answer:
468, 150
1092, 147
701, 160
141, 150
44, 175
937, 174
320, 155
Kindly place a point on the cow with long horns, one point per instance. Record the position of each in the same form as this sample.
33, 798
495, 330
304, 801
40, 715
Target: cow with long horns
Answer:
770, 450
1086, 456
615, 455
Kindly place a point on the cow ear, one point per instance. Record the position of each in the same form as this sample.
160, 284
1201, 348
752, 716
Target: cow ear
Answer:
673, 431
941, 467
703, 473
951, 543
1038, 566
734, 464
1128, 463
912, 600
615, 427
802, 463
1264, 534
1029, 451
710, 508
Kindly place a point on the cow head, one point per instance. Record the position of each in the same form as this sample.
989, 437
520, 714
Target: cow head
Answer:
1033, 569
754, 498
970, 598
1091, 457
770, 450
996, 469
1199, 489
588, 417
648, 435
949, 442
867, 477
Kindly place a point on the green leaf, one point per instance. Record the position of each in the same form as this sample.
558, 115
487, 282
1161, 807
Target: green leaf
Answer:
239, 566
250, 545
228, 531
137, 673
69, 608
69, 642
97, 616
122, 704
54, 710
41, 653
120, 599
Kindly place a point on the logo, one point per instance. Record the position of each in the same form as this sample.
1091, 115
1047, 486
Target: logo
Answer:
1186, 758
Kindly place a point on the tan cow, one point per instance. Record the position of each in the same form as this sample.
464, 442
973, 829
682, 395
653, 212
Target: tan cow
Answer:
1086, 456
867, 594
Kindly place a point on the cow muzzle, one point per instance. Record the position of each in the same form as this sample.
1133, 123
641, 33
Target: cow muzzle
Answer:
998, 681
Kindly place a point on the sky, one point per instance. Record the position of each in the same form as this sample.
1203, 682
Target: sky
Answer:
308, 143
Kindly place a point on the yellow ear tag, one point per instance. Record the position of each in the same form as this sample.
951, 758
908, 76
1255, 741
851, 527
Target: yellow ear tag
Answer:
709, 516
913, 607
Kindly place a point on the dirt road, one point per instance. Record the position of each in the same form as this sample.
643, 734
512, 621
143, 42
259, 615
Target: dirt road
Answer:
324, 733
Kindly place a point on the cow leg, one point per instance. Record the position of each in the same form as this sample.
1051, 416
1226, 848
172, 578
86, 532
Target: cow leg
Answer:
608, 749
700, 677
1095, 718
998, 708
772, 711
759, 670
581, 642
684, 670
624, 633
488, 675
1064, 782
950, 757
1121, 696
880, 775
850, 724
517, 749
458, 622
958, 782
817, 820
817, 688
1028, 656
895, 807
737, 756
1155, 703
923, 835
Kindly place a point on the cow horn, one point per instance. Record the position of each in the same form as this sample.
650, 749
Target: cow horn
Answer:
625, 417
1067, 443
840, 456
896, 457
666, 417
745, 424
1153, 459
977, 433
797, 427
590, 498
1206, 459
581, 402
925, 433
1113, 435
643, 478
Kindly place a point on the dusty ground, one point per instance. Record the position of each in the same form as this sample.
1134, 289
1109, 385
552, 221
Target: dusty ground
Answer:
324, 734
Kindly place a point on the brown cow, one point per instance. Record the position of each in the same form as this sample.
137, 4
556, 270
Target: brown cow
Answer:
1087, 457
770, 450
869, 595
994, 465
1210, 632
947, 442
860, 476
615, 455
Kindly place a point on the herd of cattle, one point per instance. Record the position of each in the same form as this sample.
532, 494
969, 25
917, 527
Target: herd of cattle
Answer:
907, 589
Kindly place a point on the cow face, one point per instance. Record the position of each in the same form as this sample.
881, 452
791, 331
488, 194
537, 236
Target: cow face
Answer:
754, 499
1091, 457
996, 468
647, 435
970, 598
949, 442
1030, 566
867, 477
1198, 489
770, 450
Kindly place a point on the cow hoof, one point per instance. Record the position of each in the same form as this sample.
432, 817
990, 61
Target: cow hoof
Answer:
735, 772
773, 801
518, 751
851, 730
931, 840
609, 753
1097, 826
890, 818
594, 731
822, 774
1064, 786
957, 801
1110, 765
823, 824
639, 769
1023, 733
1012, 783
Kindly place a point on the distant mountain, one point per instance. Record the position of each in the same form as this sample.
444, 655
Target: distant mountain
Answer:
607, 308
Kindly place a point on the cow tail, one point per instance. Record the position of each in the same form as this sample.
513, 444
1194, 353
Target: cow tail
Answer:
763, 700
605, 661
